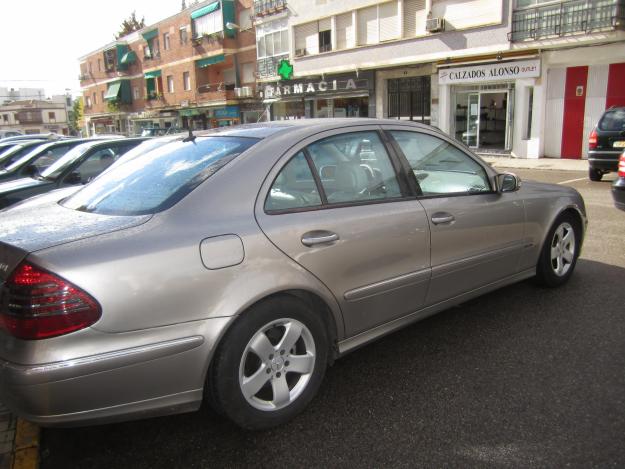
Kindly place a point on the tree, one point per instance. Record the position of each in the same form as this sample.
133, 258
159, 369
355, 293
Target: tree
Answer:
130, 25
75, 116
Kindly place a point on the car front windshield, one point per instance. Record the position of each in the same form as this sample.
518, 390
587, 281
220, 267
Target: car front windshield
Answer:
54, 171
157, 179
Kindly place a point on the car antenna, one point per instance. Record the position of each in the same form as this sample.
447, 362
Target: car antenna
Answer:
190, 137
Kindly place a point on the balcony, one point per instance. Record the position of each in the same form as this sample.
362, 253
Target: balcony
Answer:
267, 7
567, 18
216, 92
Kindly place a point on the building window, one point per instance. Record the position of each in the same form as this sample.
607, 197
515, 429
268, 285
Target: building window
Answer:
345, 38
102, 96
135, 92
183, 35
151, 50
99, 65
90, 68
409, 99
378, 23
109, 59
245, 19
272, 39
5, 117
186, 79
208, 24
325, 41
166, 44
247, 72
170, 83
52, 116
95, 99
88, 102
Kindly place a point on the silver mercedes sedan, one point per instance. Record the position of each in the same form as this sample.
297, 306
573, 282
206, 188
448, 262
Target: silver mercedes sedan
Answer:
234, 266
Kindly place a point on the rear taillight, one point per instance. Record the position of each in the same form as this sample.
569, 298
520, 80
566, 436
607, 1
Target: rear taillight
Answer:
592, 139
36, 304
621, 166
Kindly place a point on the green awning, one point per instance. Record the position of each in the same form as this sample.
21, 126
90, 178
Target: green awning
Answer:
210, 61
128, 58
112, 91
205, 10
152, 74
150, 34
229, 16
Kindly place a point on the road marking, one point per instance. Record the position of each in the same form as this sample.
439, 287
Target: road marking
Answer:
572, 180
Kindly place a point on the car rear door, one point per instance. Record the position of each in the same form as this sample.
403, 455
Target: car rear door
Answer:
335, 205
477, 233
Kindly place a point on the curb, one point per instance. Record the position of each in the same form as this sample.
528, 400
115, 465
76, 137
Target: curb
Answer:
557, 164
26, 446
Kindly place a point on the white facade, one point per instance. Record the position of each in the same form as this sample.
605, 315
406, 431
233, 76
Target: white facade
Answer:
34, 116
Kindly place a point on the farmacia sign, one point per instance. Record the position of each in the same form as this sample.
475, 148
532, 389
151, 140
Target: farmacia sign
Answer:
323, 86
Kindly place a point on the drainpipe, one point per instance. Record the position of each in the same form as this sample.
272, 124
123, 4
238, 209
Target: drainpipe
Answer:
428, 8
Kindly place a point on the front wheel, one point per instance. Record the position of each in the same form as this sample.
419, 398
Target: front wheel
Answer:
560, 252
270, 364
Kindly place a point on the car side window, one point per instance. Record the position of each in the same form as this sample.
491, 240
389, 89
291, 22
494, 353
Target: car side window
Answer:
439, 167
95, 164
50, 157
294, 187
354, 167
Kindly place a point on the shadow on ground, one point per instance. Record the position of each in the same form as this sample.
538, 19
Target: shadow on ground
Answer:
522, 376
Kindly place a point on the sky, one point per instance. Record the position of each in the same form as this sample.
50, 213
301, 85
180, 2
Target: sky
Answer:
41, 41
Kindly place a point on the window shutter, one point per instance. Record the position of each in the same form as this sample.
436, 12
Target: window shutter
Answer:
414, 17
389, 21
325, 24
306, 37
344, 31
368, 25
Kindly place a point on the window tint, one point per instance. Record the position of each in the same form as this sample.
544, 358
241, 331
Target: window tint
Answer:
96, 163
354, 167
613, 120
294, 187
50, 156
157, 179
441, 168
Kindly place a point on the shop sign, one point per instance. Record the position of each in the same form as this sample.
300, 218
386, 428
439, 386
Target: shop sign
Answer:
313, 87
228, 112
490, 72
189, 112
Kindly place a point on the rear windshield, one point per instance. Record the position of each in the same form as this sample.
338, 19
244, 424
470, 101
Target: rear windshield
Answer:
157, 179
613, 120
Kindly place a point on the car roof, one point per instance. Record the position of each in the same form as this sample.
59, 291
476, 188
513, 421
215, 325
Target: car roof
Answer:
265, 129
88, 144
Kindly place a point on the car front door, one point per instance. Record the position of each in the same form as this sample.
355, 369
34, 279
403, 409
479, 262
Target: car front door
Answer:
336, 206
477, 233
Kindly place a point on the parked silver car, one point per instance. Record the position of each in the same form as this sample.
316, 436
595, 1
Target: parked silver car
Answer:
235, 265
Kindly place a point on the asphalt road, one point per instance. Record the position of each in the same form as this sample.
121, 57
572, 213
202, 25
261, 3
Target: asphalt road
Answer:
521, 377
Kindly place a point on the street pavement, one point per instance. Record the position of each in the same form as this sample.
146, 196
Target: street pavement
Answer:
521, 377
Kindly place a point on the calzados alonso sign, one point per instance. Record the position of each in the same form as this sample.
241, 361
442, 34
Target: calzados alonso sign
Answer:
490, 72
278, 91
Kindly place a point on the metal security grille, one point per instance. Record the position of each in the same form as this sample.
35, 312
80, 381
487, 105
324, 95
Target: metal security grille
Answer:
409, 99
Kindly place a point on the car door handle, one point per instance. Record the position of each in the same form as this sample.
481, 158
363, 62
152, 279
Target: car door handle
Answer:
313, 238
442, 218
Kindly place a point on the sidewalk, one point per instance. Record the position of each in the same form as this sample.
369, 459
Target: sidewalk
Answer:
19, 442
559, 164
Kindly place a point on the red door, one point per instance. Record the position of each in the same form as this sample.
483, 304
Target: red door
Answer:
574, 105
616, 86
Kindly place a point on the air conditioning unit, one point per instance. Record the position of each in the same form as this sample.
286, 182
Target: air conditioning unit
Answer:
433, 25
300, 52
246, 92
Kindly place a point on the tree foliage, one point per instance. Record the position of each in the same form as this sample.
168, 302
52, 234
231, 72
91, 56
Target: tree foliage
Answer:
75, 116
130, 25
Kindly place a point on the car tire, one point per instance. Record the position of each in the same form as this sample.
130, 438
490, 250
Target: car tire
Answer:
269, 364
595, 174
560, 251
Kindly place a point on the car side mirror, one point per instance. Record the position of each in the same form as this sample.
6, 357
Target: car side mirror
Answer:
508, 182
73, 178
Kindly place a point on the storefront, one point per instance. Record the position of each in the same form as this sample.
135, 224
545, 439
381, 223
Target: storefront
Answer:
201, 118
345, 95
489, 106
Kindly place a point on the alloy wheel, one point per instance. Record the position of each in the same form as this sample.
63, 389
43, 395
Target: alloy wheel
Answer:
562, 249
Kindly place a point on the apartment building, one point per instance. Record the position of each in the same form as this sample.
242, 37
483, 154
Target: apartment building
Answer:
489, 72
36, 116
195, 69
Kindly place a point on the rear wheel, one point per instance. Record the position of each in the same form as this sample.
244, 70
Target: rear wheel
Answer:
560, 252
595, 174
270, 364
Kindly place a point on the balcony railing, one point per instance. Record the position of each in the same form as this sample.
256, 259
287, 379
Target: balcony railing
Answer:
567, 18
268, 67
266, 7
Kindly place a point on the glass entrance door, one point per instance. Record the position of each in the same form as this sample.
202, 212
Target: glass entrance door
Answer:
472, 136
